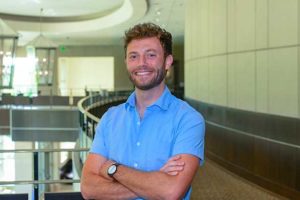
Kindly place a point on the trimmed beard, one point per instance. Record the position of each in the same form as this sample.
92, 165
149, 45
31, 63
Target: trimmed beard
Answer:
160, 76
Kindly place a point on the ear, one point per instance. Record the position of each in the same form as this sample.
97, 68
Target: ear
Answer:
169, 61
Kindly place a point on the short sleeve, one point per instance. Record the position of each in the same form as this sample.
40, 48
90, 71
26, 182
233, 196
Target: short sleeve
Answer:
190, 135
99, 143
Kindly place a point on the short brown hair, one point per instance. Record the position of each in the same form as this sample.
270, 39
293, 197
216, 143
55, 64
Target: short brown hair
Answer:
147, 30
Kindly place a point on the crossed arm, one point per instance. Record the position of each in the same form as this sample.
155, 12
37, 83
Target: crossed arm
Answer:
170, 182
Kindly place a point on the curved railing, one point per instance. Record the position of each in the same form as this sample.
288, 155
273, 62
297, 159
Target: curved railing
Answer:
89, 120
89, 116
260, 147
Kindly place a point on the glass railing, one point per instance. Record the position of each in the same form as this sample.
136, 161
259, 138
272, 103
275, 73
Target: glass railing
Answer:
36, 171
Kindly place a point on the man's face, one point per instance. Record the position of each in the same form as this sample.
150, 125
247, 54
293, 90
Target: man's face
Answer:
146, 64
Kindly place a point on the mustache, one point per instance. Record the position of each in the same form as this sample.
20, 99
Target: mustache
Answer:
143, 67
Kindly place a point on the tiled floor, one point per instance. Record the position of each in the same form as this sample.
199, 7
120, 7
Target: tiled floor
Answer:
216, 183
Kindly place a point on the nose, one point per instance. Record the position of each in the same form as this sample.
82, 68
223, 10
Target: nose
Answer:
142, 60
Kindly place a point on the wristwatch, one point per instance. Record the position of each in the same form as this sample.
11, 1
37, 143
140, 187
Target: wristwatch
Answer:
112, 169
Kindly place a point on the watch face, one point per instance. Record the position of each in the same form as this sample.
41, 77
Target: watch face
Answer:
112, 169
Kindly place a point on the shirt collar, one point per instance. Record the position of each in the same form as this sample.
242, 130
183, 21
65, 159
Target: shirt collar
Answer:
163, 101
131, 100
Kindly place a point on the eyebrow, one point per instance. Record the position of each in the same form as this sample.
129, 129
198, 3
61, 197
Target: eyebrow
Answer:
131, 53
151, 50
148, 50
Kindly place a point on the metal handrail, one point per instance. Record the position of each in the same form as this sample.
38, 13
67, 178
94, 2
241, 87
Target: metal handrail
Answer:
105, 101
101, 100
85, 111
41, 150
35, 151
26, 182
88, 121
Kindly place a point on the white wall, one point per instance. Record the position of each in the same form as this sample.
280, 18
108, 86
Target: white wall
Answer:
244, 54
77, 73
121, 80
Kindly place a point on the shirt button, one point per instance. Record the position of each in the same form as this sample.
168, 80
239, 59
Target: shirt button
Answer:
135, 165
138, 144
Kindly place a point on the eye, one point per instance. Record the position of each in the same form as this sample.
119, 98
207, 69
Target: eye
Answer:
151, 55
132, 57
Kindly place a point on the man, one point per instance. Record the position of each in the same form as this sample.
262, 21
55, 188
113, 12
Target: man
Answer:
149, 147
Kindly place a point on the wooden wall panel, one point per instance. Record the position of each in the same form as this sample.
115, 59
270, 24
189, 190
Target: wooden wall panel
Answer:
263, 148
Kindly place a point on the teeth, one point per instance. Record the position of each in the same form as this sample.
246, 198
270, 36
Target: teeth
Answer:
142, 73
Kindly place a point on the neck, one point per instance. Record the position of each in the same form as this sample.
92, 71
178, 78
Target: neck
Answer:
145, 98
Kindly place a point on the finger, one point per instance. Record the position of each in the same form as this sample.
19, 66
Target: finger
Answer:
176, 168
173, 169
175, 163
172, 164
174, 158
173, 173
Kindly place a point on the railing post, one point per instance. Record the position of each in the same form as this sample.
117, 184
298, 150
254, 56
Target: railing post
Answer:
93, 131
36, 174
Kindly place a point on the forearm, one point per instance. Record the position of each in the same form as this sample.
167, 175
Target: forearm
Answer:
149, 185
94, 186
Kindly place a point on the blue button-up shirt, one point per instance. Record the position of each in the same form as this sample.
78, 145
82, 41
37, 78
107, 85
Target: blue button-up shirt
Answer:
169, 127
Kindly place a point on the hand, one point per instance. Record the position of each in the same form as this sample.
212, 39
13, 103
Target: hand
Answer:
173, 166
103, 170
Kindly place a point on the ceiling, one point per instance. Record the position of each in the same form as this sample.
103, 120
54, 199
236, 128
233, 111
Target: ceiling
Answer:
89, 22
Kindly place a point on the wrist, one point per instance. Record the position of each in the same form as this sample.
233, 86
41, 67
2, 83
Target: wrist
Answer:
112, 169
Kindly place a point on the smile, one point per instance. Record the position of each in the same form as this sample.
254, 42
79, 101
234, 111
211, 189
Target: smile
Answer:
142, 73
